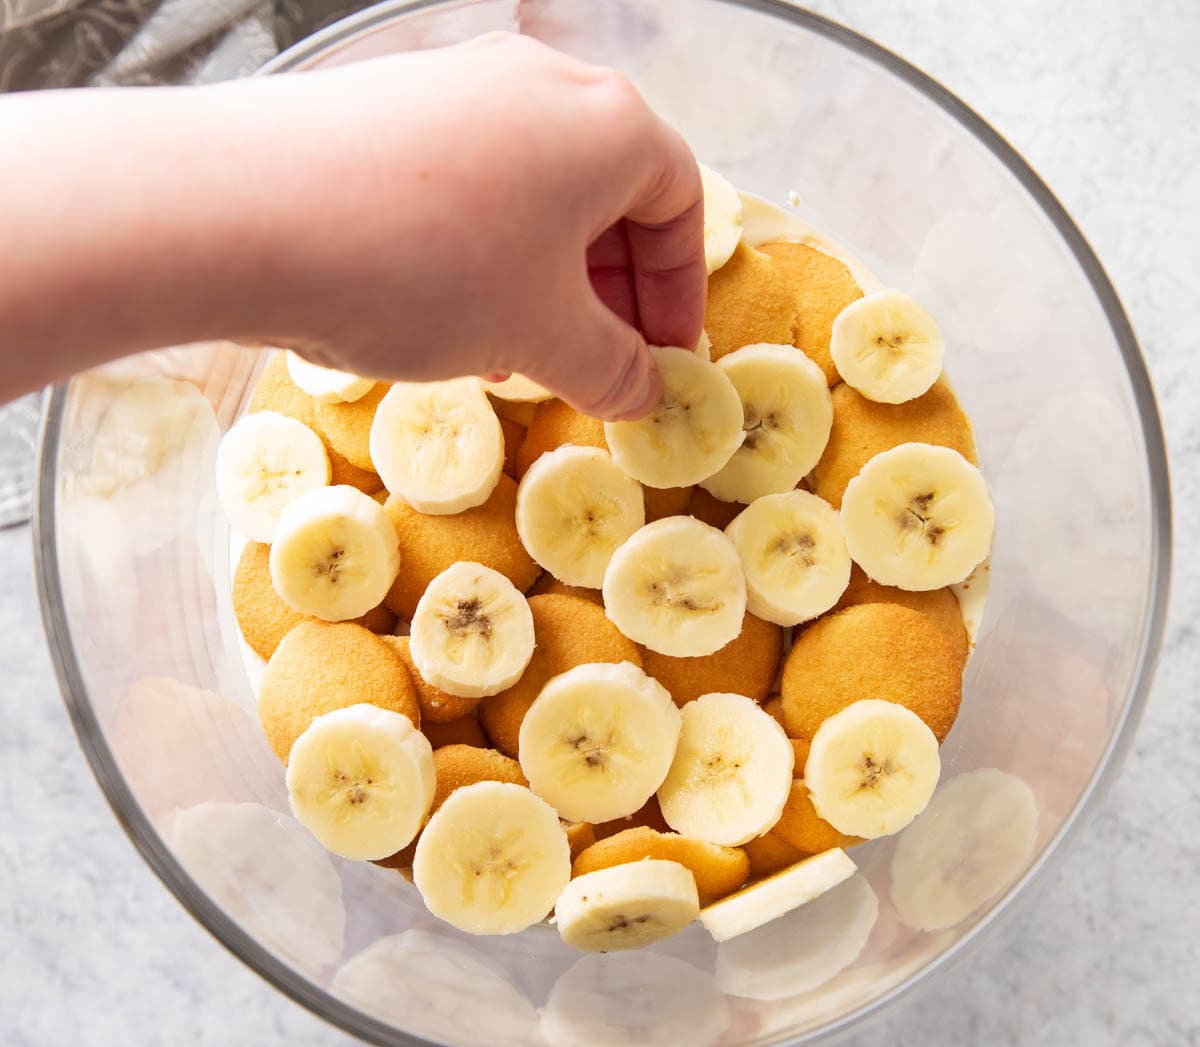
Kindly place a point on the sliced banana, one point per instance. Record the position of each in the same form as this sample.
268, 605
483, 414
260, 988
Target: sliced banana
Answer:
518, 389
722, 218
803, 949
438, 445
691, 432
264, 866
641, 998
574, 507
731, 774
872, 768
361, 780
415, 981
327, 384
626, 906
492, 859
598, 741
793, 556
887, 347
335, 553
472, 632
264, 463
788, 414
918, 517
768, 899
676, 586
974, 839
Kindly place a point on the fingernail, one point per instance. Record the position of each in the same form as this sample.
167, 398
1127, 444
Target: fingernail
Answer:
645, 395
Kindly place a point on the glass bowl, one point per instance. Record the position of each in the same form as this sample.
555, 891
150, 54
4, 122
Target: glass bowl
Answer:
134, 570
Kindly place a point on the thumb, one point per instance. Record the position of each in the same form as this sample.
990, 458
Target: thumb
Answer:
602, 367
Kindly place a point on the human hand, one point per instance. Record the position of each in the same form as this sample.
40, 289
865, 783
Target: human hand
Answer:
481, 209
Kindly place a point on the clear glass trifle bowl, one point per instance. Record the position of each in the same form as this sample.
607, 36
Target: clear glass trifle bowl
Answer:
134, 571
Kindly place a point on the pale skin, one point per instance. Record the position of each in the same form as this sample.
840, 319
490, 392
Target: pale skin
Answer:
476, 210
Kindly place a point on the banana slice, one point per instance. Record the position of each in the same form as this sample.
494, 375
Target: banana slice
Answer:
973, 840
887, 347
626, 906
264, 463
264, 866
731, 774
803, 949
788, 415
327, 385
415, 981
472, 632
335, 553
438, 445
492, 860
692, 431
676, 586
722, 218
361, 780
793, 556
518, 389
918, 517
598, 741
574, 507
641, 998
768, 899
872, 768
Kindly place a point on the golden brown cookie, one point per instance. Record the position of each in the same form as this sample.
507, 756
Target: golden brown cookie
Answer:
556, 423
863, 429
821, 287
941, 605
649, 814
567, 632
261, 613
749, 301
322, 666
875, 650
275, 391
666, 501
463, 731
548, 585
801, 827
769, 854
580, 836
486, 534
774, 706
343, 471
514, 436
746, 665
514, 411
436, 705
800, 748
460, 765
713, 511
347, 426
718, 870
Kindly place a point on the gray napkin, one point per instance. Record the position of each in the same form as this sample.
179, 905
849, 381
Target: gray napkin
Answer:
69, 43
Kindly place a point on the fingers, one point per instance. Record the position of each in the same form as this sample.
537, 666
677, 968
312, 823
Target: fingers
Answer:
664, 225
611, 274
604, 368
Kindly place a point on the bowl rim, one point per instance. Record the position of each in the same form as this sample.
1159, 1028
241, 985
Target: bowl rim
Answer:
324, 1004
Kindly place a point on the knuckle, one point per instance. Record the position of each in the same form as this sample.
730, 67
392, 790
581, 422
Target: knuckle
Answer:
620, 99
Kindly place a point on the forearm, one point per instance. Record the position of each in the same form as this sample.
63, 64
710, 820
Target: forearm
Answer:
131, 219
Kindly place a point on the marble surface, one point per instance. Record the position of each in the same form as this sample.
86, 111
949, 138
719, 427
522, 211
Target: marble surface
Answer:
1104, 101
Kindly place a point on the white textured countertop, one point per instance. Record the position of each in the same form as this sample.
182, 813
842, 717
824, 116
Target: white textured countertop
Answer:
1104, 101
